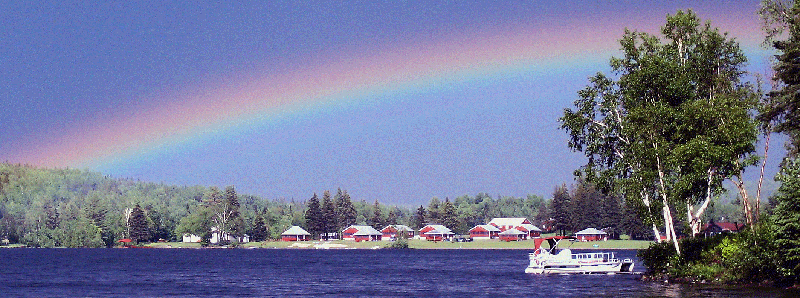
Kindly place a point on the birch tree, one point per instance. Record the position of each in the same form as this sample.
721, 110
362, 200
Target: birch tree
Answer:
671, 126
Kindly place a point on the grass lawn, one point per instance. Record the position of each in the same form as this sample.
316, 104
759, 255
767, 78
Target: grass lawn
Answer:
424, 244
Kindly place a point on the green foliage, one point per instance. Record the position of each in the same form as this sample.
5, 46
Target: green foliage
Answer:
658, 257
675, 123
741, 257
314, 217
786, 216
783, 107
345, 210
448, 215
330, 220
419, 218
563, 209
400, 243
260, 232
139, 230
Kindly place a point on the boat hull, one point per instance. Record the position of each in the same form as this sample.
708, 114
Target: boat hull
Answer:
600, 268
567, 263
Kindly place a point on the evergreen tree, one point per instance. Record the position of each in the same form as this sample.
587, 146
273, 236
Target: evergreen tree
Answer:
138, 225
562, 210
391, 219
419, 219
433, 211
611, 215
448, 215
632, 225
329, 219
542, 214
260, 230
313, 216
786, 216
782, 18
338, 200
346, 211
377, 221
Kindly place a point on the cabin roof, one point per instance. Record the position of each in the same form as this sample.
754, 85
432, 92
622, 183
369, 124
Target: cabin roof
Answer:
489, 228
530, 227
295, 230
363, 230
439, 232
724, 226
509, 221
591, 231
440, 228
399, 228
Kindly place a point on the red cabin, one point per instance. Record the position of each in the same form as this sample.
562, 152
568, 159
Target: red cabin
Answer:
393, 231
295, 233
484, 232
361, 233
435, 233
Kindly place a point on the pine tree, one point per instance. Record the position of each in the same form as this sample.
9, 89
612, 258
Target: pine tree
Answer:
338, 200
787, 220
313, 216
377, 216
138, 225
433, 211
562, 210
260, 230
418, 221
329, 219
391, 219
448, 215
347, 212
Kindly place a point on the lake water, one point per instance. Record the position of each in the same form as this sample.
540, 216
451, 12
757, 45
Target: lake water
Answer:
332, 273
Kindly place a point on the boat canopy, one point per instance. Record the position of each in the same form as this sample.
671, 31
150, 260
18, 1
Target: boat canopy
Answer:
553, 241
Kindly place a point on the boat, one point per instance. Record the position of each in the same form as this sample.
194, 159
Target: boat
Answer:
563, 261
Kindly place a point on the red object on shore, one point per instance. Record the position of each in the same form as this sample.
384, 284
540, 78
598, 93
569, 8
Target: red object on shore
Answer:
126, 240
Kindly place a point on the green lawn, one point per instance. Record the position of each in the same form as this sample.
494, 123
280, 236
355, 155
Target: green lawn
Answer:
424, 244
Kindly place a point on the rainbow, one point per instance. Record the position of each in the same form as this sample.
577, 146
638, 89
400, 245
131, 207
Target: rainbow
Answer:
332, 83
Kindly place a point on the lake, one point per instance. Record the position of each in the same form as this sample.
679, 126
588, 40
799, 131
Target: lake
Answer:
301, 272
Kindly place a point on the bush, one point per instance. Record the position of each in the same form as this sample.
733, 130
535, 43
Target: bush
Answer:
400, 243
658, 257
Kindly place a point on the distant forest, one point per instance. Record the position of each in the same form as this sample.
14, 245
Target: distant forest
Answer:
74, 208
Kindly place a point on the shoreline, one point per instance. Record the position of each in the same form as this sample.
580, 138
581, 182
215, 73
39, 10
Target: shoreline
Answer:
413, 244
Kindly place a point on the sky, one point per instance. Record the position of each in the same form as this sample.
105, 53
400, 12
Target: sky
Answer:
396, 101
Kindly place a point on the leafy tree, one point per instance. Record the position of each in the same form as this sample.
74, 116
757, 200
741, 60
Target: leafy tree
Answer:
236, 225
138, 225
314, 216
673, 126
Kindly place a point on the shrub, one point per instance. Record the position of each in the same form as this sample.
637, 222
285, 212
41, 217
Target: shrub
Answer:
657, 257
